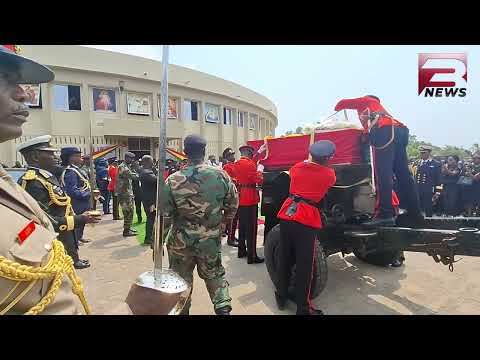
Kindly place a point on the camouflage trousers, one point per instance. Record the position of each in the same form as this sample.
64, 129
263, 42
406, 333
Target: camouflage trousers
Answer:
207, 257
127, 206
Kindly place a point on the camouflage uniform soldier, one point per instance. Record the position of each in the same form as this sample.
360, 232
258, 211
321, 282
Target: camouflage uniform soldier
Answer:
200, 200
124, 192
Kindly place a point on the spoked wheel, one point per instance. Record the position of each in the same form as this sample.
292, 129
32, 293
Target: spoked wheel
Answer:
272, 257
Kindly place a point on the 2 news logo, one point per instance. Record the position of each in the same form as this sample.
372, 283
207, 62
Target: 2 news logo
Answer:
442, 75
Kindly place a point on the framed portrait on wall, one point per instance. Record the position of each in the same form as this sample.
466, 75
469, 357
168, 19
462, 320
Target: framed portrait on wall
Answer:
172, 108
33, 92
138, 104
104, 100
212, 113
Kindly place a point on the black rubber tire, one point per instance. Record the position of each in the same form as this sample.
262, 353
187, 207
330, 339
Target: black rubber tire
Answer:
271, 260
379, 258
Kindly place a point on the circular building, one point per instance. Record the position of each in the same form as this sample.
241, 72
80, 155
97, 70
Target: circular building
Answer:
113, 99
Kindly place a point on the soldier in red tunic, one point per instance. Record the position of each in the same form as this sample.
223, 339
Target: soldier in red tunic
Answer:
389, 138
300, 222
248, 178
229, 167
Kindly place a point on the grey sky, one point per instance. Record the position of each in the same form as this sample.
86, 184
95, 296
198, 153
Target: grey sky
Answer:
305, 82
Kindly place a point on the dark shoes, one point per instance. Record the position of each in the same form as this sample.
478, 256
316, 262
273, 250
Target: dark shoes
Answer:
129, 232
256, 260
85, 241
242, 253
116, 218
80, 264
223, 310
281, 301
311, 311
107, 213
396, 263
233, 243
377, 222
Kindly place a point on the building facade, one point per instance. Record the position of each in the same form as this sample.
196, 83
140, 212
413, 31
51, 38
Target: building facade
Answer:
107, 98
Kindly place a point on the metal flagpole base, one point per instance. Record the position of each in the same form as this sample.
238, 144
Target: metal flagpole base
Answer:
165, 295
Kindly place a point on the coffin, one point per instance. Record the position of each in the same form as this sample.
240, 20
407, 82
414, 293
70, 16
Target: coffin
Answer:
283, 153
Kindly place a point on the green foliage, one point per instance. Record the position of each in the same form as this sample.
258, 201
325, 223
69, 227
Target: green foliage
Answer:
414, 145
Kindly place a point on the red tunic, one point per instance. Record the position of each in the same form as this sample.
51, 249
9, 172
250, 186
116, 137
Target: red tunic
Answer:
310, 181
247, 177
364, 106
230, 170
112, 173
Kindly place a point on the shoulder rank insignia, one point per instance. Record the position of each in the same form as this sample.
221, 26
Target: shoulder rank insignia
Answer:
29, 175
44, 173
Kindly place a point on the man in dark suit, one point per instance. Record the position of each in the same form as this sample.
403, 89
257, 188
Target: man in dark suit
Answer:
137, 193
148, 181
76, 184
427, 177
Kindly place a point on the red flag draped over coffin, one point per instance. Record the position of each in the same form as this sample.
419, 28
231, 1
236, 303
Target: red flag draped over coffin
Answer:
285, 152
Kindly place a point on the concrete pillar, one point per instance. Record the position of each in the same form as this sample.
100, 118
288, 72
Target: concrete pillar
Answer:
221, 130
235, 129
201, 118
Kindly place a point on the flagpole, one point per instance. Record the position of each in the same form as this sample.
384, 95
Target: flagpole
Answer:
91, 177
159, 223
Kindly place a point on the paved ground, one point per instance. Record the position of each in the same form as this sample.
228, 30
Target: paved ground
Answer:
420, 287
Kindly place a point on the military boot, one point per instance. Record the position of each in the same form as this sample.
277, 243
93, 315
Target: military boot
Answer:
309, 311
281, 301
223, 310
128, 232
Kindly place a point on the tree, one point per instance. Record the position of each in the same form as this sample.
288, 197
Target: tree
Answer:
298, 130
475, 148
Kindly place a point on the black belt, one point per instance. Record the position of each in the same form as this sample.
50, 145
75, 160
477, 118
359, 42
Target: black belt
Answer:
250, 186
298, 199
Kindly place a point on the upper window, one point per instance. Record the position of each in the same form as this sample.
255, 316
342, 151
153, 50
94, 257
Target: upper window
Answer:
212, 113
227, 116
191, 110
240, 118
67, 97
253, 122
104, 100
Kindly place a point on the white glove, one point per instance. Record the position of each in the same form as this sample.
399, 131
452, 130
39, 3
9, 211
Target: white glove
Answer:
262, 149
260, 168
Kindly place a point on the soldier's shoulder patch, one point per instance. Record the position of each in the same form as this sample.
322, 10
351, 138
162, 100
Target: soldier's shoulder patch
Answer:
29, 175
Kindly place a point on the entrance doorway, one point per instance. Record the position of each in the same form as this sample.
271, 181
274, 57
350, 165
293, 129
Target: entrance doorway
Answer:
139, 146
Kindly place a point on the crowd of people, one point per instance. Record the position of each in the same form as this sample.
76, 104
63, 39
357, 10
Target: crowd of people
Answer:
447, 186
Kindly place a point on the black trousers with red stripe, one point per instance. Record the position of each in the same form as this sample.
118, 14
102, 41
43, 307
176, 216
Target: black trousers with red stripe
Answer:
247, 230
297, 247
393, 160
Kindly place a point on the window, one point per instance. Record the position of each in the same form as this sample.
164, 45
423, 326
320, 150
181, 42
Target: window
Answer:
191, 110
227, 116
240, 118
253, 122
67, 97
212, 113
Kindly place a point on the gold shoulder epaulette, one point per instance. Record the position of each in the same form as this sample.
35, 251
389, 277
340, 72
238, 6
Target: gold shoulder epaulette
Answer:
29, 175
